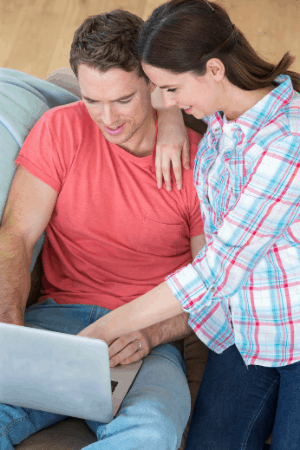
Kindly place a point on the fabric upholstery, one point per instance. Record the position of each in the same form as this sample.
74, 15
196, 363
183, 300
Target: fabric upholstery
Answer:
70, 434
23, 100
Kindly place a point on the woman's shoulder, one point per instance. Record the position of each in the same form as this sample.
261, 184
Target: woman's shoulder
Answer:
283, 127
292, 113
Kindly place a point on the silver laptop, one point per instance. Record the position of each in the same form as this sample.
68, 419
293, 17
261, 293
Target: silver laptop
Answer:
61, 373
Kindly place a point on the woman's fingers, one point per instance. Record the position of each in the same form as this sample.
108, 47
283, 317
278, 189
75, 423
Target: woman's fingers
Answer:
186, 155
166, 167
170, 159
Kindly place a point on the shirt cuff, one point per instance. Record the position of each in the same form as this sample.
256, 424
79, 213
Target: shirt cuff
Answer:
189, 288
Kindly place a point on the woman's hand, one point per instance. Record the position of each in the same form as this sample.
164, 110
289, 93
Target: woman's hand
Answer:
129, 348
126, 349
95, 331
172, 148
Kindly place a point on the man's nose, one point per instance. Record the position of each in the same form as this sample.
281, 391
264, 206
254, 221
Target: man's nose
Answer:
108, 116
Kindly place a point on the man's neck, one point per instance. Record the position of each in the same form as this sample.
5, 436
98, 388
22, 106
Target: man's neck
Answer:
143, 140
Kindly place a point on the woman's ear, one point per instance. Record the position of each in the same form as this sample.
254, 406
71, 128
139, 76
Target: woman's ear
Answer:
216, 69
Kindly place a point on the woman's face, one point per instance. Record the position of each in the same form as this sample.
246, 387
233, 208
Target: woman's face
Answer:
198, 95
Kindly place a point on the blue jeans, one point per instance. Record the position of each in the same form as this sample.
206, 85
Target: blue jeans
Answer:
237, 406
153, 414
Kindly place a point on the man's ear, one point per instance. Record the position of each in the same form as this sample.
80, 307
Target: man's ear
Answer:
216, 69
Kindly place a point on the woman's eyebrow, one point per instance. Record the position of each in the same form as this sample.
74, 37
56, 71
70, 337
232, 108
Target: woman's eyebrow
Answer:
167, 86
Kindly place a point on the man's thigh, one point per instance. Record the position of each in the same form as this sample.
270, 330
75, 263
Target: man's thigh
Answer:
64, 318
17, 424
155, 411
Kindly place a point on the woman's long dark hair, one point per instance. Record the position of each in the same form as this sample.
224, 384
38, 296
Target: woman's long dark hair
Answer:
182, 35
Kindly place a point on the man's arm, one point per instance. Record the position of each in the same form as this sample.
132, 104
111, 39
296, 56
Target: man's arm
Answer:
28, 210
125, 350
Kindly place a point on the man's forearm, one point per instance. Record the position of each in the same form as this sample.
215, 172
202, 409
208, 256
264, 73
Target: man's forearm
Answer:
14, 277
169, 330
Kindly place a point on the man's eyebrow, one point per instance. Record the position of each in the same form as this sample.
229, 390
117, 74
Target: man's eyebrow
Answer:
116, 100
125, 97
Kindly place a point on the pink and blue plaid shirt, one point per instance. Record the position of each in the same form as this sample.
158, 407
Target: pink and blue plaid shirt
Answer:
243, 288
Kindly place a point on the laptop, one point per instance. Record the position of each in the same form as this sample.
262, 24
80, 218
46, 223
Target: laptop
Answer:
61, 373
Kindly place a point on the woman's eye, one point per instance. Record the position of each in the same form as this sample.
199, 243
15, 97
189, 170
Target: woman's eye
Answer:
172, 90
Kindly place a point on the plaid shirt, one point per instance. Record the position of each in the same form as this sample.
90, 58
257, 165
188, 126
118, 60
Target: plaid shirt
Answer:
243, 288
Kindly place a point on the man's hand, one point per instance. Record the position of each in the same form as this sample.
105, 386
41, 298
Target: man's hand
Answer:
172, 148
127, 350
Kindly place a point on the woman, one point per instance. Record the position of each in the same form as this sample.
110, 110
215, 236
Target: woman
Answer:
243, 289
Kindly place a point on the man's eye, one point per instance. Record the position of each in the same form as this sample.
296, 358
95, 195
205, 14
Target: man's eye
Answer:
125, 101
172, 90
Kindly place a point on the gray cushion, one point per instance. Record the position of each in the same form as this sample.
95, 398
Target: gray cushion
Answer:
70, 434
23, 100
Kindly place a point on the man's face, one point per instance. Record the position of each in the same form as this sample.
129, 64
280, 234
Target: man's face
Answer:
117, 101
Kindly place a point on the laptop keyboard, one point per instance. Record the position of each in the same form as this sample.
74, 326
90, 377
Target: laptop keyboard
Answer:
114, 384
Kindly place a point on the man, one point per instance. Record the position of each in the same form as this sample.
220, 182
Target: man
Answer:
86, 173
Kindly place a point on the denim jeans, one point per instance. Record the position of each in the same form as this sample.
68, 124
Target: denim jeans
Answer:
153, 414
237, 406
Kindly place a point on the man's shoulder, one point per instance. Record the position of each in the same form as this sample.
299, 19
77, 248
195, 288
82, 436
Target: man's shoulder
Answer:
70, 111
67, 122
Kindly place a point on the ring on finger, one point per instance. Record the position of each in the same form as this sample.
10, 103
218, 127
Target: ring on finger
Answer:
140, 346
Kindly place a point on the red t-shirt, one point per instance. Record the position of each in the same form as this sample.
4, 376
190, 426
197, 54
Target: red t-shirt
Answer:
113, 235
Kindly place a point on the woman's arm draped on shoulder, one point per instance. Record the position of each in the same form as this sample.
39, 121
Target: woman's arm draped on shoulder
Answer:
172, 149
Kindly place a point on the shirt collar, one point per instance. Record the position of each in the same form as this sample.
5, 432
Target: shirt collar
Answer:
264, 110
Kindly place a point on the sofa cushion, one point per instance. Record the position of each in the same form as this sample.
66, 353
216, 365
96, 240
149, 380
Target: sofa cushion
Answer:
23, 100
70, 434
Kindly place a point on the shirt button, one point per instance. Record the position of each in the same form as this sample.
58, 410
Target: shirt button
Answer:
212, 289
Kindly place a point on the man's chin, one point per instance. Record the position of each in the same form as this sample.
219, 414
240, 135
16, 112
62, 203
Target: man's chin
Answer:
119, 139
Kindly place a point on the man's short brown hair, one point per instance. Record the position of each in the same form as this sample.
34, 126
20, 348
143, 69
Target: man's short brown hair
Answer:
107, 41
